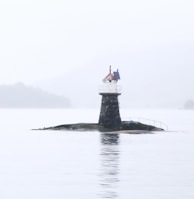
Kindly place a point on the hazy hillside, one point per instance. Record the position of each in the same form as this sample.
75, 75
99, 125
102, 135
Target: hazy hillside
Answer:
21, 96
189, 104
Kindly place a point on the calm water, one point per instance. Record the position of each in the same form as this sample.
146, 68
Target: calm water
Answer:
63, 164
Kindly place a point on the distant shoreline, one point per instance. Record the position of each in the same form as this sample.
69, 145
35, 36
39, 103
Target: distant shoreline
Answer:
21, 96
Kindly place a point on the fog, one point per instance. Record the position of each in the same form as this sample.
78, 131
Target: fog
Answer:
66, 47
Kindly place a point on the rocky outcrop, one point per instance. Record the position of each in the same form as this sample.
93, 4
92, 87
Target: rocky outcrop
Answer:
125, 127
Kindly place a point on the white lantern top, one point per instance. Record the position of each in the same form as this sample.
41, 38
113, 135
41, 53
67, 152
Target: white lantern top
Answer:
109, 85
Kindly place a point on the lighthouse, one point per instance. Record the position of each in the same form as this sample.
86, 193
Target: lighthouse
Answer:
109, 119
109, 113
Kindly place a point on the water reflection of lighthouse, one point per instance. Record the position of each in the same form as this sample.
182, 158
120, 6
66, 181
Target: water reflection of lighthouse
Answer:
109, 170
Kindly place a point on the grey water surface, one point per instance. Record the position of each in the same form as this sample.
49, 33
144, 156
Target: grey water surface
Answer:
72, 164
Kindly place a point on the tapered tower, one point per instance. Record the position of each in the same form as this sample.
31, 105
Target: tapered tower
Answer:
109, 113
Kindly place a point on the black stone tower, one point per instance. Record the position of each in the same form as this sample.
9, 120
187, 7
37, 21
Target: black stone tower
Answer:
109, 114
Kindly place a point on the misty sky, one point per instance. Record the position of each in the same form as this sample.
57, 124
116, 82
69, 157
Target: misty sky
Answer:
151, 42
